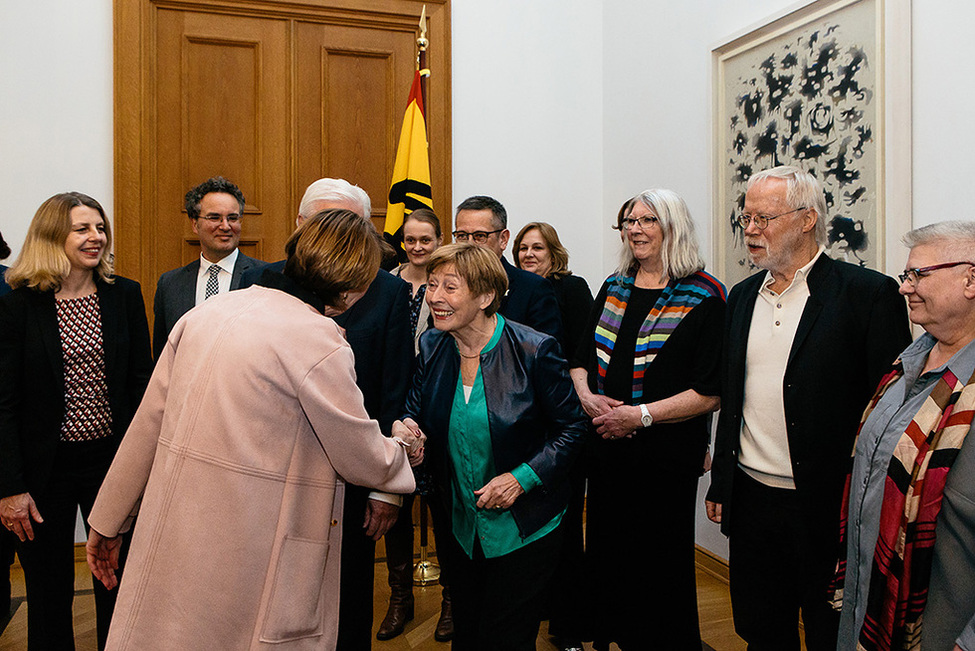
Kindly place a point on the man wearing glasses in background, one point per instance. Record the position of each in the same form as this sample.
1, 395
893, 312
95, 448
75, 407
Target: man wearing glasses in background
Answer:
806, 342
530, 299
215, 208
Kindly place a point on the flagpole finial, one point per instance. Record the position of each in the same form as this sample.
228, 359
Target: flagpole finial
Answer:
421, 40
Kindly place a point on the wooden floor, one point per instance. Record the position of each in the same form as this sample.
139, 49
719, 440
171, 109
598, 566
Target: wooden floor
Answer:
714, 604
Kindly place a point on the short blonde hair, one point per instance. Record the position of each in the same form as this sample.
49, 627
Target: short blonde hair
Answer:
481, 270
560, 257
43, 263
333, 252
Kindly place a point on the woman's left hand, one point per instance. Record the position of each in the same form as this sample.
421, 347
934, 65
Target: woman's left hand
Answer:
499, 493
618, 422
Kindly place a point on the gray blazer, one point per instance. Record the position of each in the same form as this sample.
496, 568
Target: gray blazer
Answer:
176, 295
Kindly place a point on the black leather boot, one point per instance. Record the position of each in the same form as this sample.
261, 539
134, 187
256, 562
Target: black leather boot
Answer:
445, 625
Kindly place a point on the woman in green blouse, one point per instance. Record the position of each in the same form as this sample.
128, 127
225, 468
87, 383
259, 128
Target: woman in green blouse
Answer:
504, 426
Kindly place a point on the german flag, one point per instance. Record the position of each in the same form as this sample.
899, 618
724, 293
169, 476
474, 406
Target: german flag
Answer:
410, 187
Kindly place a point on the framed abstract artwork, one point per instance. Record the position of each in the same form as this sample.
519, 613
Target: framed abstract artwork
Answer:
820, 87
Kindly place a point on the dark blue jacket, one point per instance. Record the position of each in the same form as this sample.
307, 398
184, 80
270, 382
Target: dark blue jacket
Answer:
533, 412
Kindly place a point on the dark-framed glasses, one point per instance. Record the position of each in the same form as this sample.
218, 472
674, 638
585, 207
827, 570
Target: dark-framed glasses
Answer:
761, 221
478, 236
912, 276
644, 222
214, 218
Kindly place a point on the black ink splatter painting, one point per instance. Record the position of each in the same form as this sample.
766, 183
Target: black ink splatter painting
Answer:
807, 98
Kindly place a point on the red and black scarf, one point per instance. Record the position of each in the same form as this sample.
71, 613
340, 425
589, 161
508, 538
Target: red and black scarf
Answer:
913, 491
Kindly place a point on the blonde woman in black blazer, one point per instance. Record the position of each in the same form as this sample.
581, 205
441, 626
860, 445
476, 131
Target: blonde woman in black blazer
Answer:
74, 362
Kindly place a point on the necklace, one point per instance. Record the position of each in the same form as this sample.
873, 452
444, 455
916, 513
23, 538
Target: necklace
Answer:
468, 356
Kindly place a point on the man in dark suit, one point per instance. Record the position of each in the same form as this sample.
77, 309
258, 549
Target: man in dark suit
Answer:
530, 299
378, 329
806, 342
215, 208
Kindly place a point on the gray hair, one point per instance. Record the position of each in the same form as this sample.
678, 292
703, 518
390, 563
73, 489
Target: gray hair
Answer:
334, 190
679, 250
803, 190
958, 235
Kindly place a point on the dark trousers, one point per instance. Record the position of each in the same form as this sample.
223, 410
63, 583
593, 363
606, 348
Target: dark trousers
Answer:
8, 545
358, 574
780, 565
567, 610
399, 538
498, 602
48, 560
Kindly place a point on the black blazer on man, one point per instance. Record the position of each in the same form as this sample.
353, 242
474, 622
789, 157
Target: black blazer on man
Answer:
531, 301
176, 295
32, 376
852, 328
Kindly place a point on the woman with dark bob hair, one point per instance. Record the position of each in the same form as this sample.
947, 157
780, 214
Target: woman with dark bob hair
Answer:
74, 363
236, 459
504, 426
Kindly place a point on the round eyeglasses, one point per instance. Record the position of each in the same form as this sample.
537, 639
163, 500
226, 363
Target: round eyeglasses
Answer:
761, 221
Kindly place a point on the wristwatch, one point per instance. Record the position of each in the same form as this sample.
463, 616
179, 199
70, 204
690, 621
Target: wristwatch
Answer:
645, 417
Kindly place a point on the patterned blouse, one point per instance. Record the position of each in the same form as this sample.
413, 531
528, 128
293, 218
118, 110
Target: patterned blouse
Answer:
87, 415
416, 303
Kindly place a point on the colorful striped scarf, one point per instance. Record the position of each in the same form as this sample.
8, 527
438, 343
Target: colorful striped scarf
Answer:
913, 491
676, 301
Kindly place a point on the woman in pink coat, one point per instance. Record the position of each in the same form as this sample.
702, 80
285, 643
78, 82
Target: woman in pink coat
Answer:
236, 458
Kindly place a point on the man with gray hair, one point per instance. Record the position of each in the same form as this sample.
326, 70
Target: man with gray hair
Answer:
806, 341
910, 519
378, 329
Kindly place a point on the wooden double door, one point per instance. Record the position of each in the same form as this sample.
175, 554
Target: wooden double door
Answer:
271, 95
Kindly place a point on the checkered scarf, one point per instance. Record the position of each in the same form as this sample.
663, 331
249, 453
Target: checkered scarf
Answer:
913, 491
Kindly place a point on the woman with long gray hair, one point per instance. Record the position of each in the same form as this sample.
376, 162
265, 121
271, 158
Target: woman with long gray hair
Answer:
648, 378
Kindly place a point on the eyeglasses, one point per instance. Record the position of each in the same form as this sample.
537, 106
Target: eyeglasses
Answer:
761, 221
913, 276
478, 236
630, 222
216, 219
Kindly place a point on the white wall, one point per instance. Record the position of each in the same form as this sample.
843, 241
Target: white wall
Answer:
561, 110
55, 106
527, 116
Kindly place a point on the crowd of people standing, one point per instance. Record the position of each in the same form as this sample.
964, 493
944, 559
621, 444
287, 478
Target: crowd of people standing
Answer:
235, 474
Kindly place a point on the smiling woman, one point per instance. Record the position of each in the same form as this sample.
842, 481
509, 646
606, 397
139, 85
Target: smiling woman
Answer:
504, 427
648, 378
74, 362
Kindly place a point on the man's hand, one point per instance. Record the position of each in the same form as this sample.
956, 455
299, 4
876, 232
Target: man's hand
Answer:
16, 512
499, 493
714, 511
102, 555
380, 516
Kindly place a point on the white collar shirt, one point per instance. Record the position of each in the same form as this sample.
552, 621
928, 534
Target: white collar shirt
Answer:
224, 277
764, 451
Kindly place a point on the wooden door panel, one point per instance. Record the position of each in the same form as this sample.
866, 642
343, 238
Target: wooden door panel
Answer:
221, 107
352, 82
271, 96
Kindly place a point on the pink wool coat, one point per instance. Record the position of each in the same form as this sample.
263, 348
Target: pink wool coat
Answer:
234, 463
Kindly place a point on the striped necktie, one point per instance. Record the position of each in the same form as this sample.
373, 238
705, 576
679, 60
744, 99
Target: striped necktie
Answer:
213, 288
